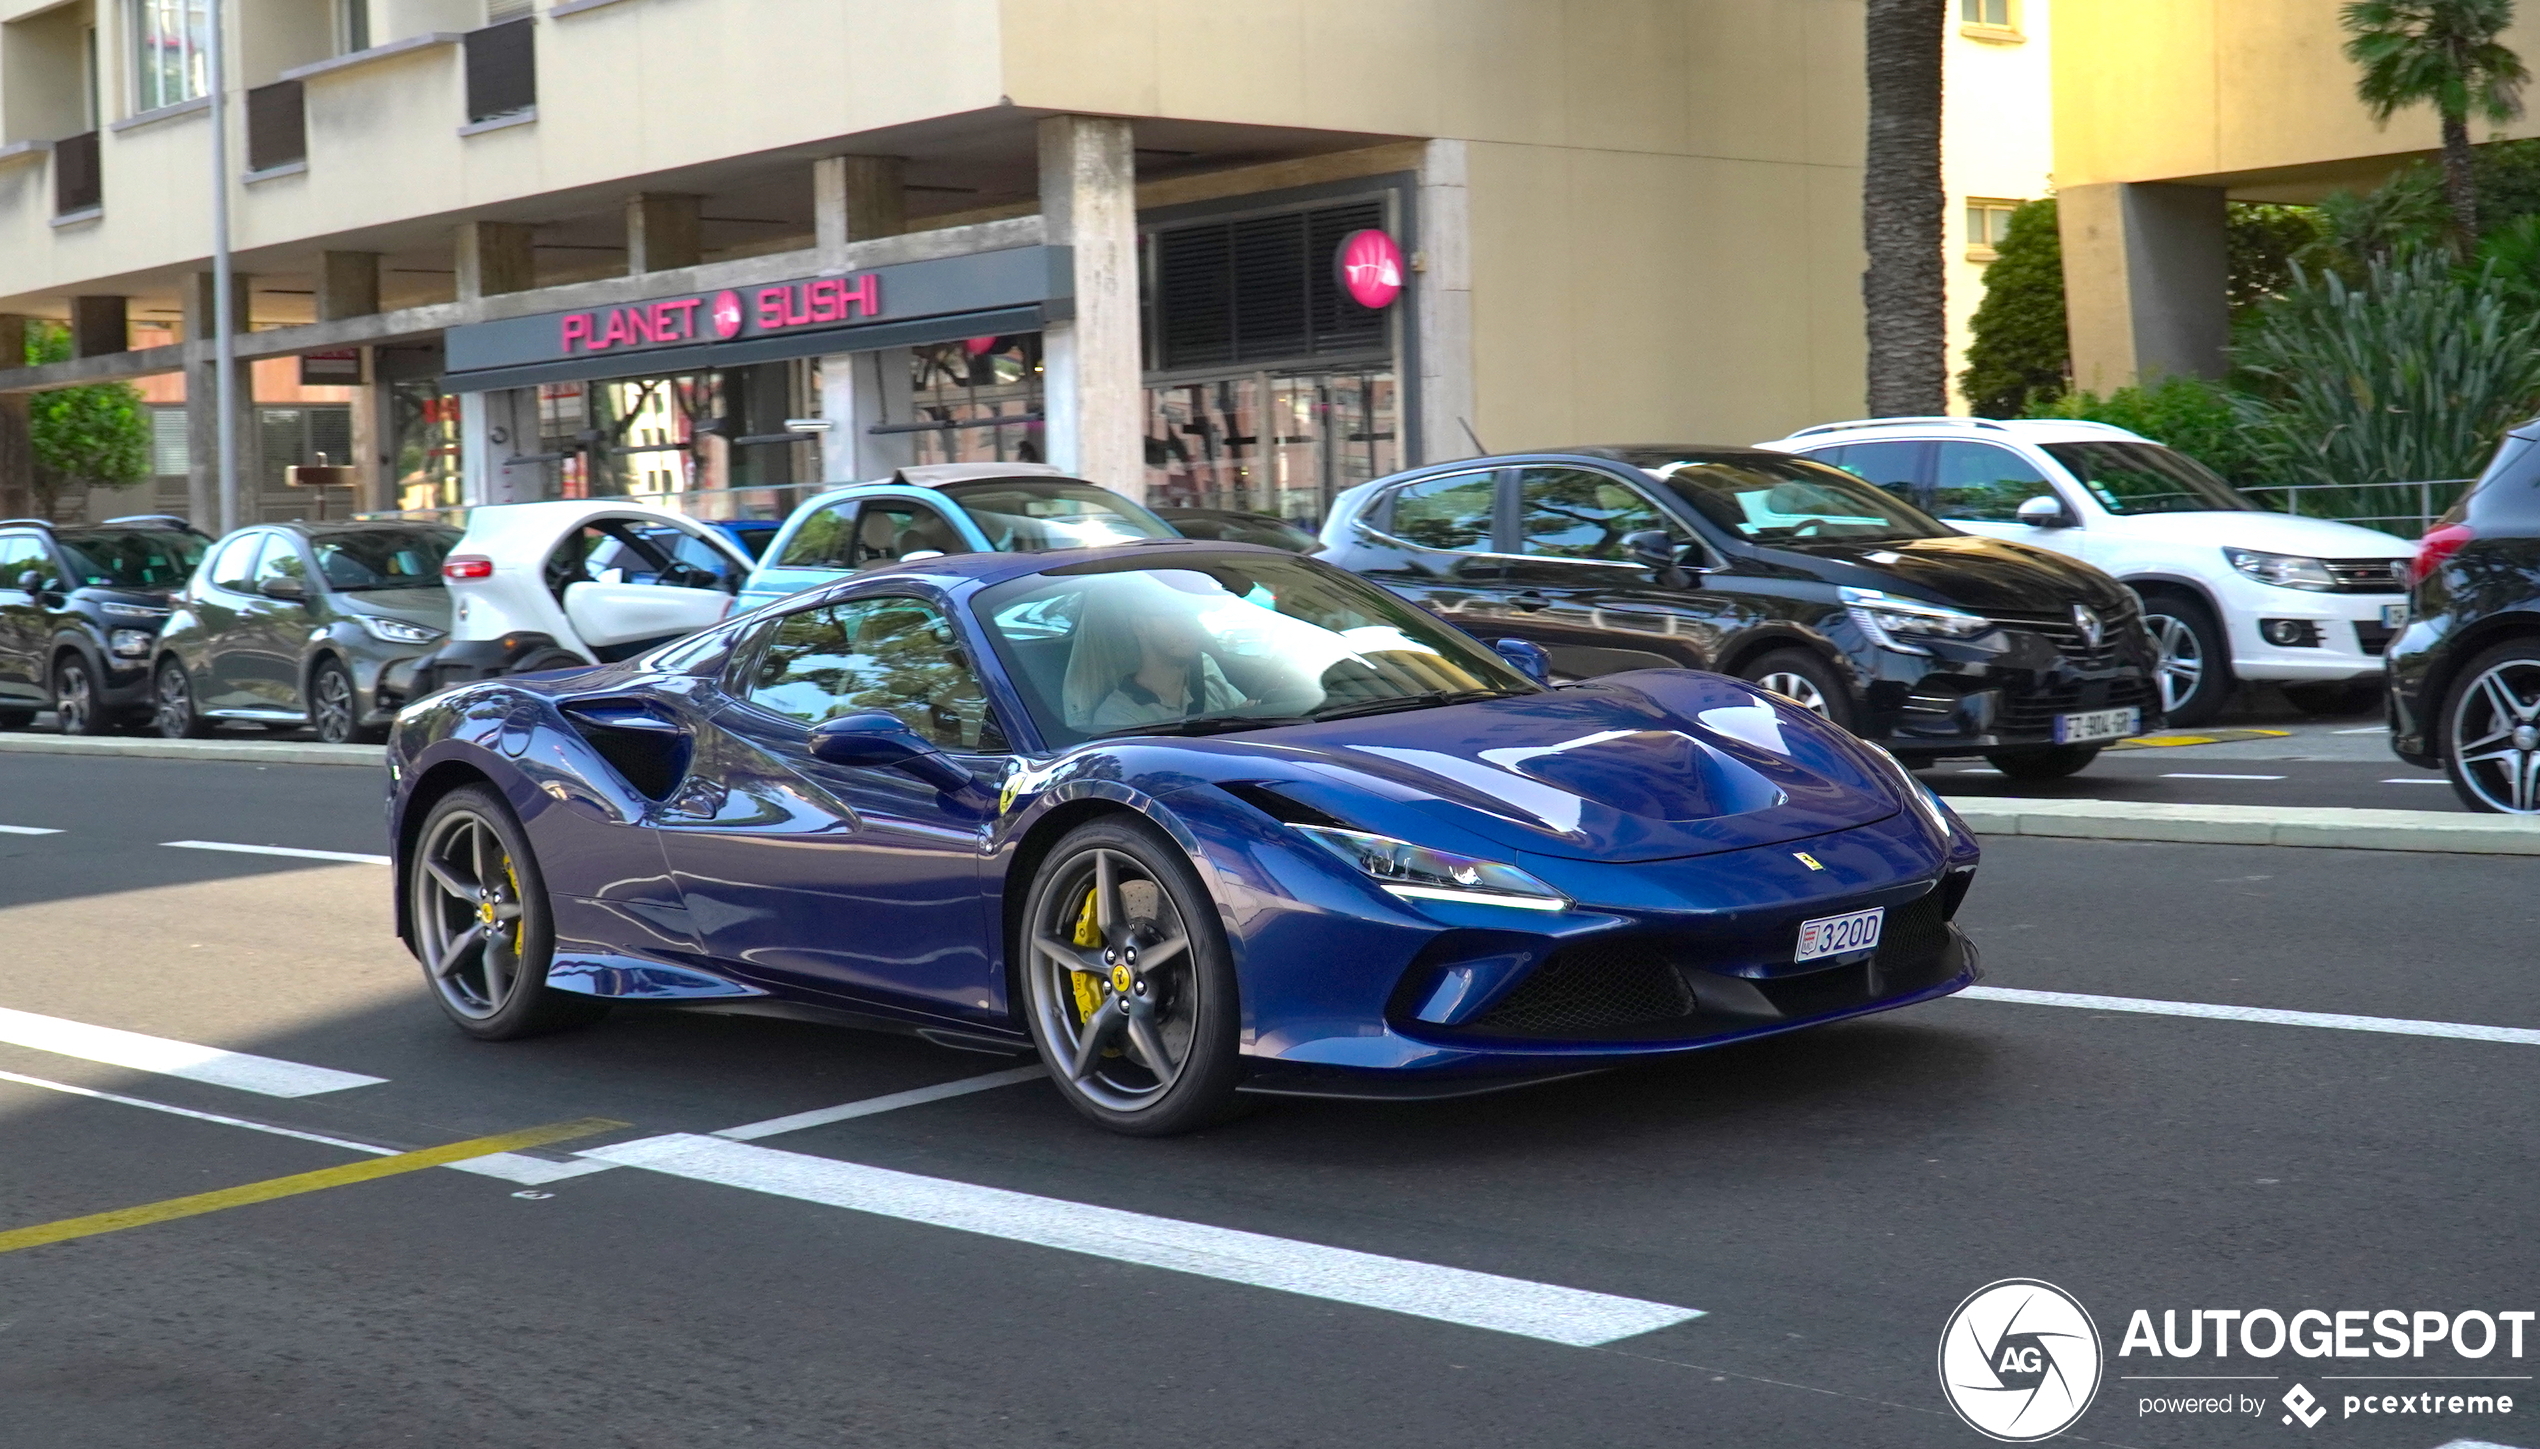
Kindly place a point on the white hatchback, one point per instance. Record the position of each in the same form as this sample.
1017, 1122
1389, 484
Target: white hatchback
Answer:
2230, 591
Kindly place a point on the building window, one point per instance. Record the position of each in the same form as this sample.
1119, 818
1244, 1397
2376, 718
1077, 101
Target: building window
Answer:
2001, 17
171, 42
1988, 226
356, 24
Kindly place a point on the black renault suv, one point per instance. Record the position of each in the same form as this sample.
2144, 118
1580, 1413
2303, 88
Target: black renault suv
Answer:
2465, 672
1789, 573
81, 606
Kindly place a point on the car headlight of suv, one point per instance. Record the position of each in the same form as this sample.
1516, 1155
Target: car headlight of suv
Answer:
397, 631
1898, 623
2284, 570
1419, 872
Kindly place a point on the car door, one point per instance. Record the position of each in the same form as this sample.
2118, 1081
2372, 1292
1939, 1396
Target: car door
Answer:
857, 881
272, 630
1979, 487
1435, 541
223, 600
1575, 589
22, 624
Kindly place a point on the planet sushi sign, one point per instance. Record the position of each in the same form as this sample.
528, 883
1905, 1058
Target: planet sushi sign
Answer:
1369, 265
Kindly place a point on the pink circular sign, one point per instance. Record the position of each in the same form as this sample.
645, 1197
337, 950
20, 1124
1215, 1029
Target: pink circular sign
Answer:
1370, 267
727, 316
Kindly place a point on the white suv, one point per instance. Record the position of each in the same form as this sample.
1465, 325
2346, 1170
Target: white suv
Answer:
2230, 591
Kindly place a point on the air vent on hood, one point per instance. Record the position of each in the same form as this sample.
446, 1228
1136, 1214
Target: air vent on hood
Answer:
650, 751
1279, 807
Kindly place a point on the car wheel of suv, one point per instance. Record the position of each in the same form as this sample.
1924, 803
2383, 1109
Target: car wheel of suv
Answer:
1805, 680
1128, 986
172, 712
2031, 766
76, 708
2491, 731
2345, 696
482, 924
2194, 668
335, 709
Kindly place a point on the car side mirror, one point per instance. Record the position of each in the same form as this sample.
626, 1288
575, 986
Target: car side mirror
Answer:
878, 740
1658, 550
1527, 657
2045, 511
287, 590
29, 581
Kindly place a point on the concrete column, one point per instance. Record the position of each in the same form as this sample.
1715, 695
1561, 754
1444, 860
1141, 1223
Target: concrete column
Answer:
493, 257
857, 391
2147, 272
17, 445
1093, 388
491, 432
1442, 299
98, 326
856, 198
347, 285
662, 231
369, 463
202, 406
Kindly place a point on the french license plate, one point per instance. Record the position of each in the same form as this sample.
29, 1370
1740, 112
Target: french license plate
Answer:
2394, 616
1840, 935
2097, 724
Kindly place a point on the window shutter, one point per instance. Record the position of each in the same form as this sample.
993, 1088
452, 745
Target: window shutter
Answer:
498, 11
168, 443
1260, 289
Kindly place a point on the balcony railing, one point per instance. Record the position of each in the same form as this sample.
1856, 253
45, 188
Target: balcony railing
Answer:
277, 126
502, 70
77, 184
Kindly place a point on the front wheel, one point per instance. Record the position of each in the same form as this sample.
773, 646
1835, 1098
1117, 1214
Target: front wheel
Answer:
1128, 984
172, 711
482, 925
2491, 731
76, 707
2031, 766
1805, 680
2195, 659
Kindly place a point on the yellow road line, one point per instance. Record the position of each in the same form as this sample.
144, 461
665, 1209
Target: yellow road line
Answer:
325, 1177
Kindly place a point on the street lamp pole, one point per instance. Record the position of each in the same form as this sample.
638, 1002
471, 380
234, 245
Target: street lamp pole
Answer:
224, 302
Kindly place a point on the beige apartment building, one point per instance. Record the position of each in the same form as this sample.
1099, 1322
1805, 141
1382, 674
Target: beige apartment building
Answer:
1997, 145
551, 248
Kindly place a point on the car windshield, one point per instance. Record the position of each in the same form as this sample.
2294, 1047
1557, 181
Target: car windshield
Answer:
1785, 501
1037, 517
383, 558
132, 558
1223, 526
2147, 478
1211, 642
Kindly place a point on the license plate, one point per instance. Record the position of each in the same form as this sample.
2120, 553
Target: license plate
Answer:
2394, 616
1840, 935
2097, 724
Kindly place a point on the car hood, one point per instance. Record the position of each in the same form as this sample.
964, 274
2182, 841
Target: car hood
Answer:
1650, 765
428, 607
2271, 532
1986, 574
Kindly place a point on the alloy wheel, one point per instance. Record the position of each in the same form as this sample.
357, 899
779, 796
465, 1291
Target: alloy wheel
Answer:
74, 698
2495, 745
172, 706
1799, 690
468, 915
332, 695
1113, 979
2182, 661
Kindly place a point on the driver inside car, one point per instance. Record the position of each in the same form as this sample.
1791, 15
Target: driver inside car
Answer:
1141, 658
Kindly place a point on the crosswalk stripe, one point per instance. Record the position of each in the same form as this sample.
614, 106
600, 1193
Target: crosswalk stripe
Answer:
242, 1070
2337, 1021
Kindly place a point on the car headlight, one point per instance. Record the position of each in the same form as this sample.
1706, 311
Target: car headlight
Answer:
1896, 623
397, 631
1420, 872
2284, 570
1919, 793
133, 611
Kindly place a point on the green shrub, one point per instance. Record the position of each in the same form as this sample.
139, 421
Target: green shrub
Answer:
93, 436
2198, 418
2020, 349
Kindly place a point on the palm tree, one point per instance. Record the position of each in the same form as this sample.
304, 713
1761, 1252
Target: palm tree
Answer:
2442, 53
1904, 290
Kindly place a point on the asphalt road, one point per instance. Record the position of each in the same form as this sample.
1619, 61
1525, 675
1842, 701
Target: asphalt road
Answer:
1824, 1199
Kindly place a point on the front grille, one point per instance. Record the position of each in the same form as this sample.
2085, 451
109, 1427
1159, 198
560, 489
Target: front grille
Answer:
1910, 947
2034, 711
2061, 631
2369, 575
2373, 637
1593, 987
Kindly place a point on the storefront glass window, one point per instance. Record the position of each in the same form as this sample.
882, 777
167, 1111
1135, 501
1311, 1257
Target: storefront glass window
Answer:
1277, 443
977, 401
425, 432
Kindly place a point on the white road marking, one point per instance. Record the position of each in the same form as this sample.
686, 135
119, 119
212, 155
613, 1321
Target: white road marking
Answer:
2415, 780
823, 1116
526, 1170
1452, 1295
2190, 775
2472, 1444
2379, 729
2393, 1025
26, 830
353, 856
219, 1068
1977, 770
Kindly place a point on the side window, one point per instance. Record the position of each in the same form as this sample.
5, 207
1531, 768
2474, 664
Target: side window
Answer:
1900, 468
279, 561
1577, 513
895, 655
888, 529
824, 541
19, 553
1453, 512
234, 568
1982, 483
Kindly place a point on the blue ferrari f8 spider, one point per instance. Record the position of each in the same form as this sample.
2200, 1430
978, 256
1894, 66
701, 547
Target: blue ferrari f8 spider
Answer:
1187, 819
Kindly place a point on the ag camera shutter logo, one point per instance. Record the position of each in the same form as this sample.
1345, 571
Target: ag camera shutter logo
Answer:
2020, 1360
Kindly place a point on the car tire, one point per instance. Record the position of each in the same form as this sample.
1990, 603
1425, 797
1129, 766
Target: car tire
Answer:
172, 712
76, 708
2344, 696
484, 948
2192, 668
335, 707
2032, 766
1806, 680
2489, 730
1108, 891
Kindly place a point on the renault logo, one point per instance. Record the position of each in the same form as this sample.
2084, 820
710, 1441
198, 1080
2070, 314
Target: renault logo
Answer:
2086, 619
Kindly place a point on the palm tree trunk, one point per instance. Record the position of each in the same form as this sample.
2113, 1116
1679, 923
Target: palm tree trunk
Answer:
1904, 291
2460, 192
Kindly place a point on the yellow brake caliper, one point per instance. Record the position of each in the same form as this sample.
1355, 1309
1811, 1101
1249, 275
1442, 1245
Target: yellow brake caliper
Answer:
1088, 985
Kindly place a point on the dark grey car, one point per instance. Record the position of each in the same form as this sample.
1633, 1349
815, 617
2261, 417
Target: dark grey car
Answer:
304, 623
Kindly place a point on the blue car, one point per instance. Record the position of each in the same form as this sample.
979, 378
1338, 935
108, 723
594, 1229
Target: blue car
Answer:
944, 508
1186, 819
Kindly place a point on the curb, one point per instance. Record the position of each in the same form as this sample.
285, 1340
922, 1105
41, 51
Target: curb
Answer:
259, 754
2317, 826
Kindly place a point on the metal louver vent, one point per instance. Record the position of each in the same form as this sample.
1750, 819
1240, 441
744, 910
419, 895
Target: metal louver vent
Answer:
498, 11
1260, 289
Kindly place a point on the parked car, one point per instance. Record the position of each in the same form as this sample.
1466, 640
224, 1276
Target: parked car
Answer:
752, 534
314, 624
2465, 674
1228, 525
1777, 569
1186, 819
2230, 591
577, 581
945, 508
81, 606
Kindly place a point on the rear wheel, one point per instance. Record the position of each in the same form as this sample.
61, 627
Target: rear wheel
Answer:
76, 707
1805, 680
1128, 985
2491, 731
2054, 764
172, 711
482, 925
2194, 668
335, 709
